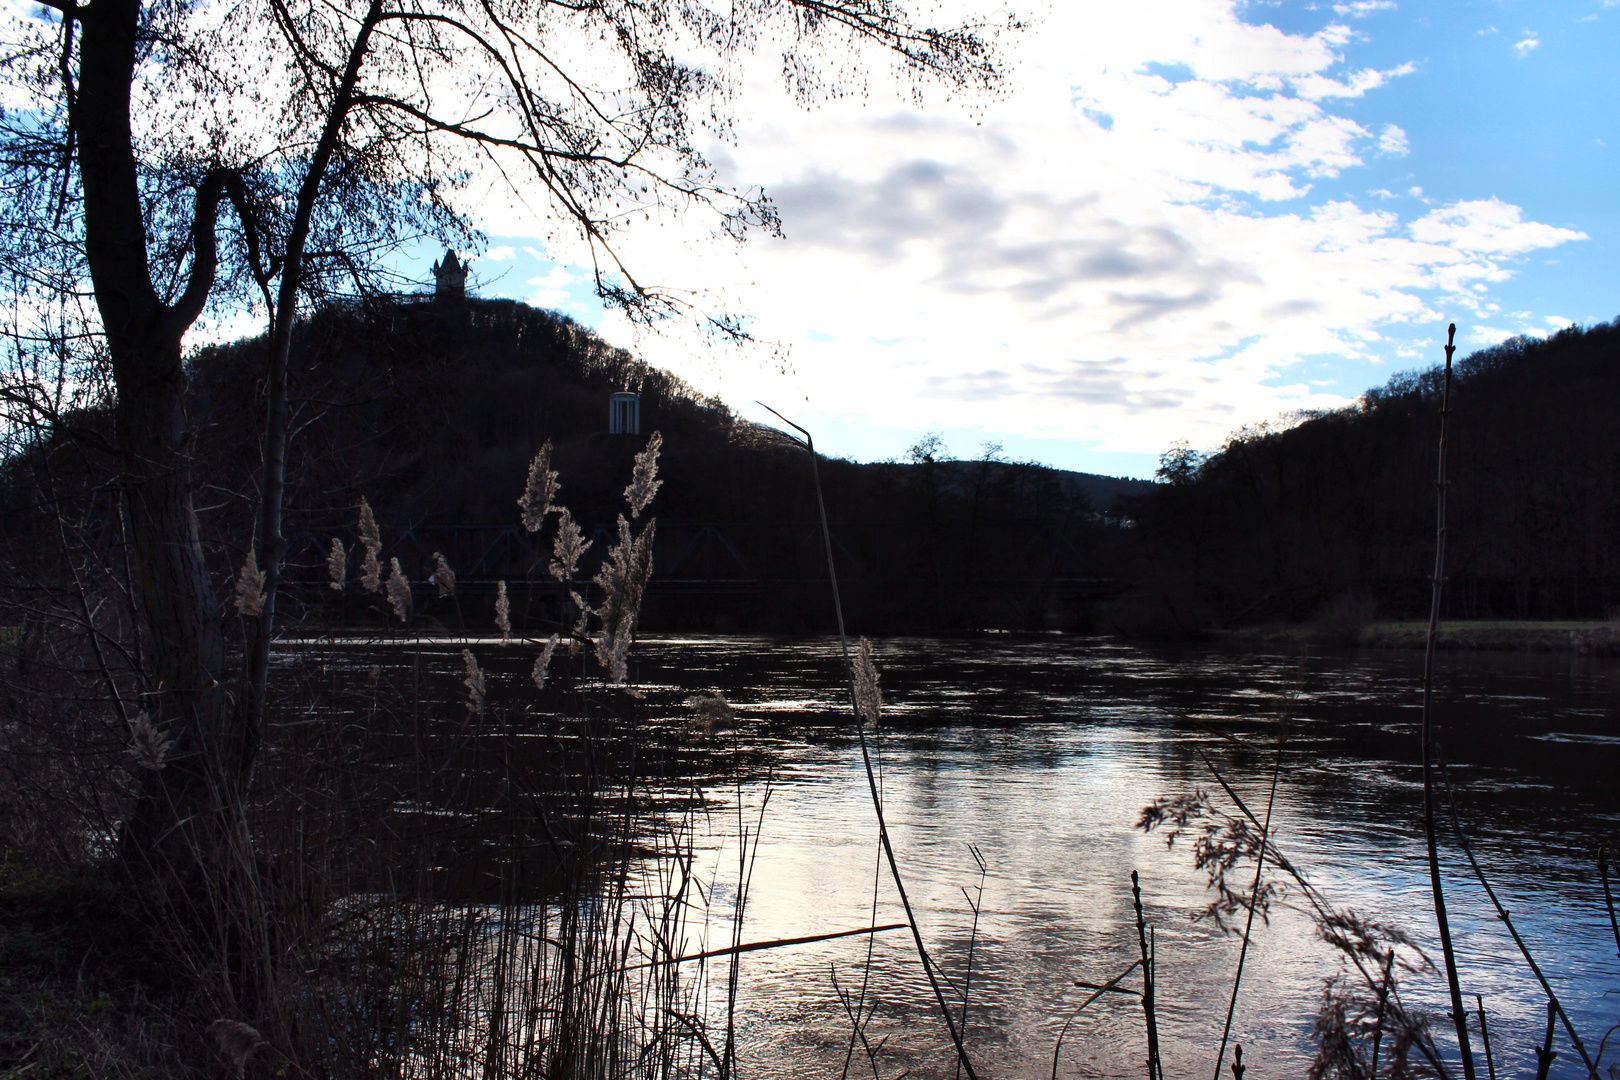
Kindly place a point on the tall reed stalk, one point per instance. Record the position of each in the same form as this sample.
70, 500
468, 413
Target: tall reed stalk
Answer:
866, 758
1553, 1004
1254, 902
1458, 1014
1155, 1066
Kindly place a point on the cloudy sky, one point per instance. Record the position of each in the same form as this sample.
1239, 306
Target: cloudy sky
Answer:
1180, 217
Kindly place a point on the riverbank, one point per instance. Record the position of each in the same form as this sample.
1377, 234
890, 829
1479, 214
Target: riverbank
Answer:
1587, 638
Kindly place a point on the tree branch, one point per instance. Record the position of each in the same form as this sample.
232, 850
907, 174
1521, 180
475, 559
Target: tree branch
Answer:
204, 250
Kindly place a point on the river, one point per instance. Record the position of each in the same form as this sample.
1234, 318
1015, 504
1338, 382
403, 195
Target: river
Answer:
1040, 751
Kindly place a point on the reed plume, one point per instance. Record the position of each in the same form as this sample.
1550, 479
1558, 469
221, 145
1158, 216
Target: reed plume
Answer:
503, 613
369, 536
540, 491
250, 587
371, 572
710, 713
337, 565
644, 482
399, 590
577, 633
868, 698
443, 576
148, 747
568, 548
236, 1041
1357, 1010
624, 573
623, 578
474, 682
542, 663
371, 540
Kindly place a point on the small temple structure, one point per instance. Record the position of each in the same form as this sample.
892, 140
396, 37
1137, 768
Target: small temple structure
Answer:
624, 414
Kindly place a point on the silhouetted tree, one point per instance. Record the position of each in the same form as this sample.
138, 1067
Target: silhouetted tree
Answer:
335, 131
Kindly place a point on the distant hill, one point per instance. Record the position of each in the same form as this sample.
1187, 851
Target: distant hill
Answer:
1103, 493
1340, 507
432, 410
1106, 493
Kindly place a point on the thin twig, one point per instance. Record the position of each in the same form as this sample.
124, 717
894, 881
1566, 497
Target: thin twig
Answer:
1254, 900
1608, 895
973, 939
1544, 1053
1320, 906
1155, 1068
858, 1027
756, 946
1502, 913
1458, 1016
1484, 1037
1383, 1002
1101, 990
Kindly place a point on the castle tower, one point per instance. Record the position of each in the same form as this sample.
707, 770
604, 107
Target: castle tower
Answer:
450, 278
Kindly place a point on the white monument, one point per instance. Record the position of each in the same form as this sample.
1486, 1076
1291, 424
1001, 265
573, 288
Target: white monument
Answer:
624, 414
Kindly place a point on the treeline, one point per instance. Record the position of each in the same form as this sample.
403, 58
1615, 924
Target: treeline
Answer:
432, 411
1286, 522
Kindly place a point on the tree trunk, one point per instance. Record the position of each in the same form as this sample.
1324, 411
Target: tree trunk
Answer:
180, 802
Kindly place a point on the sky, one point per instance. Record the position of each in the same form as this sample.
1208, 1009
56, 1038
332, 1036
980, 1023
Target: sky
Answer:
1176, 218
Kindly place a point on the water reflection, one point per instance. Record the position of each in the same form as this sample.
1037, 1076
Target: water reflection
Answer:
1041, 751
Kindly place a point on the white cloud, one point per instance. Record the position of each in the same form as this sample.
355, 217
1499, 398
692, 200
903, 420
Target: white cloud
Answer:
500, 253
1482, 336
1124, 249
552, 291
1489, 227
1526, 44
1356, 84
1360, 9
1527, 326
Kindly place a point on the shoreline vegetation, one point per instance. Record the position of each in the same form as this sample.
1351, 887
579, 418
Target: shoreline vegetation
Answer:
1582, 637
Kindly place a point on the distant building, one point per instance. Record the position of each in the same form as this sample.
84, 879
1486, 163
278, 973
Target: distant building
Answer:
450, 278
624, 414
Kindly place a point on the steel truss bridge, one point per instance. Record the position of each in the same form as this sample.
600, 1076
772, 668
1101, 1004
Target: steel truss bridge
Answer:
716, 558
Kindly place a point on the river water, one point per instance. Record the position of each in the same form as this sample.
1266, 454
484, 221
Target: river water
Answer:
1040, 751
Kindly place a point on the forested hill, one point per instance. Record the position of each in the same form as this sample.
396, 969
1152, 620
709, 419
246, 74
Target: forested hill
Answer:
1281, 523
432, 411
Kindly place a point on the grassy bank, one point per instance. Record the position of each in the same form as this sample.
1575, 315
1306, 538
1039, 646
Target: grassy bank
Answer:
1587, 638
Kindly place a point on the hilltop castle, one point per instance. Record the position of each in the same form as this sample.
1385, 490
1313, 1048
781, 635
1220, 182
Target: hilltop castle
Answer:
450, 277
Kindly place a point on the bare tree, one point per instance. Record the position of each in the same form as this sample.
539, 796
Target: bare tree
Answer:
335, 131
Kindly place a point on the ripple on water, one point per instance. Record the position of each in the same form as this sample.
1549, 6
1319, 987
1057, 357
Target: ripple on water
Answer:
1039, 752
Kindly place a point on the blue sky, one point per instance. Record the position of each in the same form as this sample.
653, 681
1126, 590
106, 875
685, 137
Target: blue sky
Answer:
1181, 217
